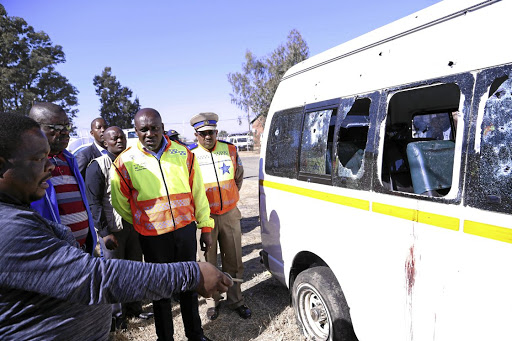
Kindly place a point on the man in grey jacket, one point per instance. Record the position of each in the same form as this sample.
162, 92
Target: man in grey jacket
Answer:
49, 288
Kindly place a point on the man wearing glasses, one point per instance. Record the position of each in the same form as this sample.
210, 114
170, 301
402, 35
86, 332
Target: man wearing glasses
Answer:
223, 174
65, 201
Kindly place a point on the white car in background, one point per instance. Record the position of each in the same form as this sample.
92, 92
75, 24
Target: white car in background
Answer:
242, 142
131, 137
78, 143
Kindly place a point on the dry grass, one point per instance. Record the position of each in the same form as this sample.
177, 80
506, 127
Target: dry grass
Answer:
273, 319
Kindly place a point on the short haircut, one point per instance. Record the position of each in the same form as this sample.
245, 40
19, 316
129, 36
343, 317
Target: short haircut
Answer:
11, 127
40, 110
96, 119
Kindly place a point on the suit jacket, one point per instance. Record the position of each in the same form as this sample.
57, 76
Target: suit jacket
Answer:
85, 157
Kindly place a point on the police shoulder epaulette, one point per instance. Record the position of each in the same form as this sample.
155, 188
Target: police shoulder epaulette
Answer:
192, 146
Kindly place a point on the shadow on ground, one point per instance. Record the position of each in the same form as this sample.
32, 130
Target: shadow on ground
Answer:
229, 326
250, 223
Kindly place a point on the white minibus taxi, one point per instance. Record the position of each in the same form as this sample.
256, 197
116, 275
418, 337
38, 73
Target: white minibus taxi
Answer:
385, 180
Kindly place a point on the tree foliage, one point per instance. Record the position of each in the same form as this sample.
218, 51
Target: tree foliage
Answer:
116, 107
254, 87
27, 69
222, 134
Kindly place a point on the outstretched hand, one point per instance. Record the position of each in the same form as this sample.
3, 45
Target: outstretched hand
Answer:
212, 280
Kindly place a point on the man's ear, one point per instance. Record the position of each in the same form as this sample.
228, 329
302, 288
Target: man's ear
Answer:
4, 166
105, 144
91, 133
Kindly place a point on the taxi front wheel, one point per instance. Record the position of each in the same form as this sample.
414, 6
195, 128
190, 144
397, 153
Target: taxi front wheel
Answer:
320, 306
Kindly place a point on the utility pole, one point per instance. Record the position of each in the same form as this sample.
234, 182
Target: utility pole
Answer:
249, 120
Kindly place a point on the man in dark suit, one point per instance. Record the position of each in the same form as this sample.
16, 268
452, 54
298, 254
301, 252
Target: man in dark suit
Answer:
97, 149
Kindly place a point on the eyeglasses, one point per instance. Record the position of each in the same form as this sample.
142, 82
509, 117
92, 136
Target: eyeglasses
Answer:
206, 133
58, 127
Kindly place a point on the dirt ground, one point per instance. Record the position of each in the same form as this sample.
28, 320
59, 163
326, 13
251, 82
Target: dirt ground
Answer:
273, 318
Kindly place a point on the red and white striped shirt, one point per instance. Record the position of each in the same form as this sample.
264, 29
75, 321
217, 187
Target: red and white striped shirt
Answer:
72, 210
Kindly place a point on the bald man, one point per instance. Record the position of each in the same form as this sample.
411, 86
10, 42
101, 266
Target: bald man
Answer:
96, 149
157, 186
65, 201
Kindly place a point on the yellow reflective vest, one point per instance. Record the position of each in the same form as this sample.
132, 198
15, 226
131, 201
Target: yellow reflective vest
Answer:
143, 189
222, 175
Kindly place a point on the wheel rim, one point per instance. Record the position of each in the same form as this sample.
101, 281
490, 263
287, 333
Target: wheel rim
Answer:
313, 313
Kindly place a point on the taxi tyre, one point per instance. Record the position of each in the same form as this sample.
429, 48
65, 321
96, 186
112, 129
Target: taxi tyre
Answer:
320, 306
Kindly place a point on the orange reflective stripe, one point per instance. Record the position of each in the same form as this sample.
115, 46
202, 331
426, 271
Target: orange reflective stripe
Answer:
153, 217
229, 193
219, 176
152, 180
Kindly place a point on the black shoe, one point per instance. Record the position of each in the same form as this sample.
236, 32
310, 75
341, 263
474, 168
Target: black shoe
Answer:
244, 311
212, 313
176, 297
140, 315
113, 325
145, 316
118, 323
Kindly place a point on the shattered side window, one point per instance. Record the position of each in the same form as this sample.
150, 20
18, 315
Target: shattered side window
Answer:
352, 138
315, 155
419, 151
496, 147
283, 143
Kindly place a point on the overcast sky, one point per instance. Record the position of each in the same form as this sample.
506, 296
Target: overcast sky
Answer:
175, 55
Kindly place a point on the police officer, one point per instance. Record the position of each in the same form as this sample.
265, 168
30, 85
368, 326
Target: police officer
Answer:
222, 172
173, 135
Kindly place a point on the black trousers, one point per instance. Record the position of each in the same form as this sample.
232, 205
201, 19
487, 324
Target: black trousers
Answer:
128, 248
179, 245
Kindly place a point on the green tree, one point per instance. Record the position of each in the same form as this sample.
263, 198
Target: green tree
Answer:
222, 134
27, 69
116, 107
254, 87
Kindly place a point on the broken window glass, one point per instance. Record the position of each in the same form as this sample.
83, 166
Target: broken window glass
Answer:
419, 150
352, 138
316, 151
283, 143
495, 169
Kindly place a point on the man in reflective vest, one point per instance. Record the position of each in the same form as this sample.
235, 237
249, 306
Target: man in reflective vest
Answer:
222, 176
157, 186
